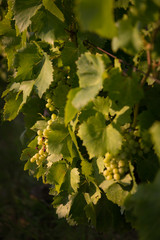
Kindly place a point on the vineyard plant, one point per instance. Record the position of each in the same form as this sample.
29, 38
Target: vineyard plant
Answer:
85, 74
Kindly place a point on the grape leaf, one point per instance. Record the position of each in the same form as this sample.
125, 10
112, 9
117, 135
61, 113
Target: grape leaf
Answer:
70, 110
90, 73
129, 37
25, 60
99, 138
72, 180
50, 27
57, 139
155, 134
45, 76
125, 90
56, 174
96, 17
51, 7
144, 208
23, 11
12, 106
102, 104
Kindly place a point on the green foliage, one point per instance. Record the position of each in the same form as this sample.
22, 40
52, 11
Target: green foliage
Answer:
92, 125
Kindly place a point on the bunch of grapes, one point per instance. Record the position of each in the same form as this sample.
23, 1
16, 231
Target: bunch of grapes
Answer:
50, 104
42, 143
115, 168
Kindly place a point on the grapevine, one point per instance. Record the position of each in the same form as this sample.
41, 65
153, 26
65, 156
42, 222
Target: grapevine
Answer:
88, 87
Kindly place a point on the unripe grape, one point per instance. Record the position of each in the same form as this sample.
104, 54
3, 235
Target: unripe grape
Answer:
106, 172
48, 128
121, 163
109, 177
49, 100
113, 165
116, 176
45, 132
108, 156
36, 155
39, 132
40, 141
50, 122
33, 159
48, 105
115, 170
41, 151
53, 116
121, 170
51, 109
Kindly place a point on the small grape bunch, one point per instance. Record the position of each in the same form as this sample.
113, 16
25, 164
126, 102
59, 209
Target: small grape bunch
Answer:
50, 104
115, 168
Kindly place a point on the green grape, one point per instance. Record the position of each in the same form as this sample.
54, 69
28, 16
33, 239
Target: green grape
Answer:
39, 132
51, 109
106, 172
48, 128
41, 151
109, 177
121, 170
36, 156
40, 141
115, 170
113, 165
53, 116
45, 132
48, 105
50, 122
116, 176
108, 157
33, 159
121, 163
49, 100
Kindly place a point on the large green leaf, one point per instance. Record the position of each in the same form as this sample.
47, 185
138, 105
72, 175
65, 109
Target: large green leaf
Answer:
45, 76
56, 174
96, 16
25, 60
51, 6
47, 26
124, 90
90, 73
12, 106
23, 11
145, 210
99, 138
155, 134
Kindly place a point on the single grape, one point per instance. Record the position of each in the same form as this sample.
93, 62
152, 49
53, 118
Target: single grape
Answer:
50, 122
121, 163
109, 177
45, 132
41, 151
33, 159
115, 170
53, 116
49, 100
51, 109
116, 176
121, 170
48, 105
108, 156
40, 141
39, 132
36, 156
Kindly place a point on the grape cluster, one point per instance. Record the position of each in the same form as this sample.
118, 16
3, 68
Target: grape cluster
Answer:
50, 104
42, 143
115, 168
